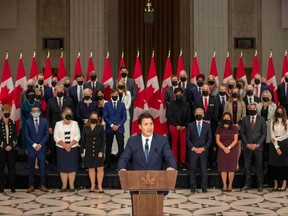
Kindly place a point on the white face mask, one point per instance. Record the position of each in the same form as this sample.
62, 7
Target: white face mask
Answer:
36, 114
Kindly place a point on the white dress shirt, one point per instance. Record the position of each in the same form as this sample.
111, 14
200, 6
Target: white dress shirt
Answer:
144, 141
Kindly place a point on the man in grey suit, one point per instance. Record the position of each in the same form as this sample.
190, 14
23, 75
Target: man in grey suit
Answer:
253, 133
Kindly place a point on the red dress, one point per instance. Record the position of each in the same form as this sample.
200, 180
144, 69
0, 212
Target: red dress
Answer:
227, 162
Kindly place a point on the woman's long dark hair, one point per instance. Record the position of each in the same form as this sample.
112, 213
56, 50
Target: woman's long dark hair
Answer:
284, 117
221, 121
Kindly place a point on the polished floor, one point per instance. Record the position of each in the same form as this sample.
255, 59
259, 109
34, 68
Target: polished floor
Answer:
117, 202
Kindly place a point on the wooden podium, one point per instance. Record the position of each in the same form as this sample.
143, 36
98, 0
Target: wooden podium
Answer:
147, 189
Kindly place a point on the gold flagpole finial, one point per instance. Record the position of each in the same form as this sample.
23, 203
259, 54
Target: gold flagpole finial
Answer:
195, 53
241, 54
48, 54
285, 51
78, 55
256, 52
6, 57
20, 55
153, 53
227, 53
34, 53
270, 53
122, 54
181, 52
61, 55
91, 53
169, 52
107, 56
138, 53
214, 53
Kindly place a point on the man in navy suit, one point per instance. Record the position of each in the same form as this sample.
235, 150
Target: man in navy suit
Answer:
250, 97
147, 149
40, 83
282, 92
259, 87
195, 92
199, 137
49, 92
222, 98
76, 92
94, 85
114, 115
37, 136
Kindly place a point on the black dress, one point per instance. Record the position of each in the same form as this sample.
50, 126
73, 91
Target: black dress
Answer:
93, 142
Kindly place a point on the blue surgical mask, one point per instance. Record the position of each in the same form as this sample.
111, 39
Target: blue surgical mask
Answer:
36, 114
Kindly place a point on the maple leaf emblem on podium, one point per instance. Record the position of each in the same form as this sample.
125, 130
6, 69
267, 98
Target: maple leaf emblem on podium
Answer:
148, 179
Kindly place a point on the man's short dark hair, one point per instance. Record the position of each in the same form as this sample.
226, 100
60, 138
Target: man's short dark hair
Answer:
113, 91
123, 67
79, 75
143, 116
178, 90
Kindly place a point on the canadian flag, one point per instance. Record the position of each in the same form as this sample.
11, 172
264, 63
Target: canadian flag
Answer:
180, 65
48, 71
34, 68
227, 70
241, 74
165, 84
78, 68
195, 69
153, 96
20, 85
139, 103
285, 66
213, 68
256, 67
271, 78
90, 67
7, 86
122, 63
61, 69
107, 79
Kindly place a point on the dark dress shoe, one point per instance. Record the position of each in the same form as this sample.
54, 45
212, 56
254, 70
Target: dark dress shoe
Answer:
193, 190
204, 190
44, 189
30, 189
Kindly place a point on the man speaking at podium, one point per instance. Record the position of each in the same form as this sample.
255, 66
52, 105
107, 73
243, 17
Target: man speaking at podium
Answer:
147, 149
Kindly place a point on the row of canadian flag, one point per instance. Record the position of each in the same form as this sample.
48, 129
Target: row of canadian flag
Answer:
150, 98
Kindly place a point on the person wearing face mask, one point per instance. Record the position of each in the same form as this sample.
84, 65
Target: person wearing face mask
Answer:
31, 86
195, 92
26, 113
85, 107
40, 83
266, 109
66, 137
240, 84
226, 139
37, 136
253, 133
259, 87
8, 148
115, 116
231, 84
178, 117
169, 92
282, 92
101, 102
94, 84
278, 149
199, 138
39, 98
76, 92
250, 97
222, 99
92, 151
55, 106
213, 85
50, 91
67, 85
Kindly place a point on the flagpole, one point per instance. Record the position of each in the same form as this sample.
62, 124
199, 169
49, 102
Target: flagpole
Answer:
6, 57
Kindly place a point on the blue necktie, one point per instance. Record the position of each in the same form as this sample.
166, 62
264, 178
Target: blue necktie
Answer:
146, 150
199, 128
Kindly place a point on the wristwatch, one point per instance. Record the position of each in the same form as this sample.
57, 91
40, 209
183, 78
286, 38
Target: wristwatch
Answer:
229, 147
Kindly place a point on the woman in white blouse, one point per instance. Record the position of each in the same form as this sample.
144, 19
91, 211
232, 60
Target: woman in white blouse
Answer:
67, 136
278, 152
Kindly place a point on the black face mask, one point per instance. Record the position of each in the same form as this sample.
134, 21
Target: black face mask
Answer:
53, 83
249, 93
286, 79
38, 97
265, 99
87, 97
80, 82
205, 93
179, 97
30, 87
31, 97
114, 98
6, 115
200, 83
235, 95
279, 115
183, 79
252, 112
68, 117
174, 83
198, 117
210, 82
94, 121
225, 121
123, 75
100, 98
230, 86
60, 94
239, 86
222, 93
257, 81
93, 77
121, 87
67, 85
40, 82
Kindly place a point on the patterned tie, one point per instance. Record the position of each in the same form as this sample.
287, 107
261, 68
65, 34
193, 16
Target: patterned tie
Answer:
252, 123
199, 128
250, 99
146, 150
183, 85
205, 104
36, 125
81, 94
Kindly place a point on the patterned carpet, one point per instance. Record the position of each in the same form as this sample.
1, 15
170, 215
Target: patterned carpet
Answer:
117, 202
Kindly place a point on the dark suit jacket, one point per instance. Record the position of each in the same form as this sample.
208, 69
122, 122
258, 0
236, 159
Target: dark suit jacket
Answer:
169, 96
256, 136
33, 137
131, 86
99, 87
73, 95
256, 100
13, 137
221, 109
53, 110
213, 109
159, 148
194, 140
116, 117
263, 88
192, 95
48, 94
281, 96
